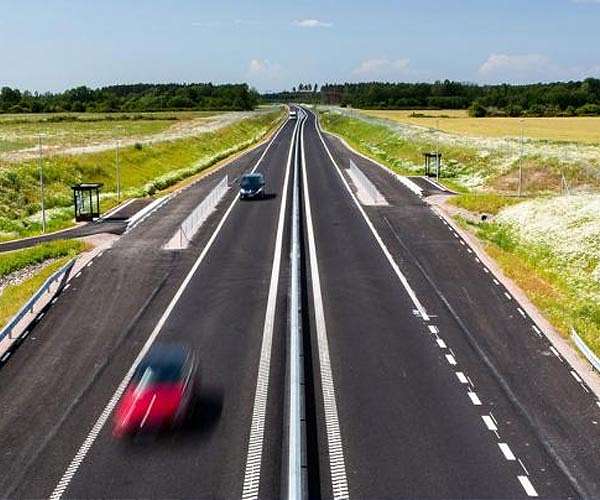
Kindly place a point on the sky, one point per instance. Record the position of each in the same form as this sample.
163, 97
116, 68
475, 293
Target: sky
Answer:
273, 45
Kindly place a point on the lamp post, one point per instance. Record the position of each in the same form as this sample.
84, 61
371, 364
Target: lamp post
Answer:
521, 161
118, 173
41, 171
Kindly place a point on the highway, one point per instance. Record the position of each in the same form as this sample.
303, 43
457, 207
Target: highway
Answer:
423, 376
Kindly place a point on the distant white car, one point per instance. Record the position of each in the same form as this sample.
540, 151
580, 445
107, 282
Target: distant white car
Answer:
293, 115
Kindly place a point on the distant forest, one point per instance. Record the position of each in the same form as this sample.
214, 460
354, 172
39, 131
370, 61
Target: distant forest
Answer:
539, 99
137, 97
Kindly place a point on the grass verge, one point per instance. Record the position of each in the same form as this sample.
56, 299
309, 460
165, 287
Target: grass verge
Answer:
20, 259
568, 299
13, 297
143, 170
488, 203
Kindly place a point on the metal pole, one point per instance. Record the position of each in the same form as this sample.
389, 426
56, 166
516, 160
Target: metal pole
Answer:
118, 173
41, 170
438, 160
521, 163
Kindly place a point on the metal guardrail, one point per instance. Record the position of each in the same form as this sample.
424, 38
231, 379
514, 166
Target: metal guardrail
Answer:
587, 352
192, 223
366, 184
31, 303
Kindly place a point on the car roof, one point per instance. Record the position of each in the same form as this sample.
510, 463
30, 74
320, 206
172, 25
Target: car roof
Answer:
166, 354
255, 174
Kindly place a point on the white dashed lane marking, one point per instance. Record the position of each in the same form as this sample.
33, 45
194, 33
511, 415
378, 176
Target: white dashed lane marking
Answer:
451, 359
527, 486
461, 378
489, 423
507, 452
474, 398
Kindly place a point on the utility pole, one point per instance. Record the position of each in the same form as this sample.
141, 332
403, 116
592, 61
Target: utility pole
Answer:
438, 160
521, 162
118, 173
41, 169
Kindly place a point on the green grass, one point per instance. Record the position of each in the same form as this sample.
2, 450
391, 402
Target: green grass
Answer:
13, 297
566, 299
401, 155
143, 170
20, 259
22, 131
488, 203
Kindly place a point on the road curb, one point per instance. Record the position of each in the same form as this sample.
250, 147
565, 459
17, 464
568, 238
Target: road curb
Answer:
565, 348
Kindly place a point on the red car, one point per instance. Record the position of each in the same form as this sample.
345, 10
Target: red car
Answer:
160, 392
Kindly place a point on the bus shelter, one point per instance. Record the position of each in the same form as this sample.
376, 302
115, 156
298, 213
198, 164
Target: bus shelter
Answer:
86, 198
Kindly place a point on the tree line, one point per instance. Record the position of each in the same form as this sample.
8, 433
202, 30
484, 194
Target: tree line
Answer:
136, 97
538, 99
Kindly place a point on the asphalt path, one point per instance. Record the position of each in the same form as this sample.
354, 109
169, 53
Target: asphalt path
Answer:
64, 373
541, 409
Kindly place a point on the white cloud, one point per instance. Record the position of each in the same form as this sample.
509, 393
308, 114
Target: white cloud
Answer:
382, 68
312, 23
523, 68
264, 74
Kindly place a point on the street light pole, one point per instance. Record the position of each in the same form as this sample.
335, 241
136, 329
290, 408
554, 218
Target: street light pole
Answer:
521, 163
438, 160
41, 170
118, 173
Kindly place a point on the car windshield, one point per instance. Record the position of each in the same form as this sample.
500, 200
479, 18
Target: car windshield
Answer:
152, 371
251, 182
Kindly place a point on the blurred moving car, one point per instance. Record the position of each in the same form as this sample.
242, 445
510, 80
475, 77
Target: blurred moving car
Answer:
252, 186
293, 114
160, 392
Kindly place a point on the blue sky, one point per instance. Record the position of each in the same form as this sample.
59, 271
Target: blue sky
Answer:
57, 44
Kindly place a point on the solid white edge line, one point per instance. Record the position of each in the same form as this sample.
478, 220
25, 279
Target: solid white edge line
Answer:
386, 252
252, 469
527, 486
337, 467
79, 457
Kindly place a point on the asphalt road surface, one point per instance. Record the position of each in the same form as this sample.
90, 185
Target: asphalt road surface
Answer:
423, 376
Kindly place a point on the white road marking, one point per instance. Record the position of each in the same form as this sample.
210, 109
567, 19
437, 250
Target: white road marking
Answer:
477, 260
5, 356
489, 423
451, 359
433, 329
536, 330
441, 343
24, 334
576, 376
507, 295
334, 438
462, 242
90, 263
486, 270
527, 486
469, 250
386, 252
523, 466
461, 377
67, 286
507, 452
474, 398
40, 316
79, 457
257, 427
54, 300
555, 352
521, 312
78, 274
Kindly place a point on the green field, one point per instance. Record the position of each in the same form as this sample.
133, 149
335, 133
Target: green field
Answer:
71, 129
144, 169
